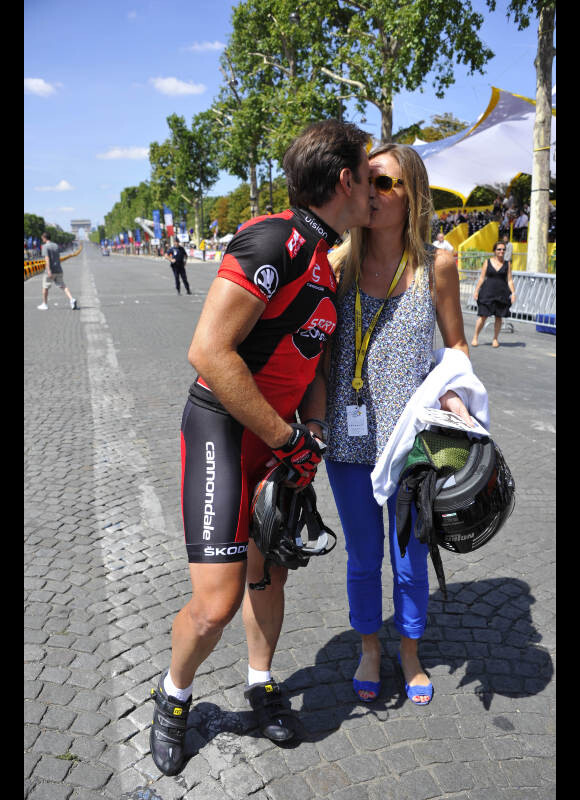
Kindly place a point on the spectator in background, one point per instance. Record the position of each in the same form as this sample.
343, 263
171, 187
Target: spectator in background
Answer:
521, 227
177, 257
53, 273
494, 293
441, 244
509, 248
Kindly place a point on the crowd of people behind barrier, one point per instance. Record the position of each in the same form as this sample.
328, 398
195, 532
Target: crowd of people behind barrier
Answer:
32, 248
505, 211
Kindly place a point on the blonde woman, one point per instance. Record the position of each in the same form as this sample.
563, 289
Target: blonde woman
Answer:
404, 286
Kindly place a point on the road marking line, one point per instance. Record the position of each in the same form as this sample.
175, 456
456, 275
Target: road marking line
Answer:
118, 451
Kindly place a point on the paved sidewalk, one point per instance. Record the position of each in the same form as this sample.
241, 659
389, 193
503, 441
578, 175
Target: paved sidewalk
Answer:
105, 573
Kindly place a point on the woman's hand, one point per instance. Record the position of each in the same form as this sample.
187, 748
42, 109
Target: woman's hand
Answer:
451, 401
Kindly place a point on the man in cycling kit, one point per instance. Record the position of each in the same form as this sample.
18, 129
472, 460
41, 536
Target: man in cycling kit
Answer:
256, 349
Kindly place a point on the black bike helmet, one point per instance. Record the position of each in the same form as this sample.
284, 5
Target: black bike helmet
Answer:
463, 491
285, 524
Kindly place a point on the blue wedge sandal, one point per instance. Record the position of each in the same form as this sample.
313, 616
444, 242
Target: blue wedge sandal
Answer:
366, 686
416, 691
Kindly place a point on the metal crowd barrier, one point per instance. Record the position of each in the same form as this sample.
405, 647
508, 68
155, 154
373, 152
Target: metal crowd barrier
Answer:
35, 266
535, 297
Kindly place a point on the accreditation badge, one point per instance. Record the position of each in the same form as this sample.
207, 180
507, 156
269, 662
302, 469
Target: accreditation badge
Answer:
356, 420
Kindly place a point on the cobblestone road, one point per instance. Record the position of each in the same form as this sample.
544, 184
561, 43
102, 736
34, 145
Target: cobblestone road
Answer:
105, 572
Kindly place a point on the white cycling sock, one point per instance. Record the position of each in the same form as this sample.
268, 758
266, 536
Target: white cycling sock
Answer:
171, 689
258, 676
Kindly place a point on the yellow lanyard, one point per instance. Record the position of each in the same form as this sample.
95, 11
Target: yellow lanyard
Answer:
361, 347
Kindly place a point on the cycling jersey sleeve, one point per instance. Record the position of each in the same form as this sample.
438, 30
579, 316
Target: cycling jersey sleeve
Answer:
257, 258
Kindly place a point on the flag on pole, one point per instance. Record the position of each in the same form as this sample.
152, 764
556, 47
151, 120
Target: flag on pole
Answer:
157, 223
168, 219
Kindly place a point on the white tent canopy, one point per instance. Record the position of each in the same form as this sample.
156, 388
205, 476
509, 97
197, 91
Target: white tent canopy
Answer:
494, 150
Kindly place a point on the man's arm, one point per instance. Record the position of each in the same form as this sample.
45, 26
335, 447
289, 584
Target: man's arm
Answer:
228, 315
313, 405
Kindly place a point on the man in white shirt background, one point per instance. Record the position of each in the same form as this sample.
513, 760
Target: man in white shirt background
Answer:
441, 244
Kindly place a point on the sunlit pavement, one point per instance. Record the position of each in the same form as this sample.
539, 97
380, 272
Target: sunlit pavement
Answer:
106, 571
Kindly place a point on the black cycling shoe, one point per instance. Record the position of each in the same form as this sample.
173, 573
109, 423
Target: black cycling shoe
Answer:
167, 736
275, 718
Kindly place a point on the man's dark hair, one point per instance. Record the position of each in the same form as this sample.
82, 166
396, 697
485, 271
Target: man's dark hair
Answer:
314, 160
46, 235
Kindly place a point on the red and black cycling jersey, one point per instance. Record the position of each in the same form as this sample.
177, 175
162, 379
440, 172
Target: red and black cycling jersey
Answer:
282, 259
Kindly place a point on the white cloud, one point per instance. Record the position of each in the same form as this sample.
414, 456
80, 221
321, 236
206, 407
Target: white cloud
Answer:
133, 153
203, 47
61, 186
38, 86
173, 86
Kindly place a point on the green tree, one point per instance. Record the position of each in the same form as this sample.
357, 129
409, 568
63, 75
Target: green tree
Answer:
242, 113
161, 159
186, 165
33, 225
373, 49
442, 126
276, 60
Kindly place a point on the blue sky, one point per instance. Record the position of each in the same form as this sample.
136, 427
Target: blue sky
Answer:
100, 79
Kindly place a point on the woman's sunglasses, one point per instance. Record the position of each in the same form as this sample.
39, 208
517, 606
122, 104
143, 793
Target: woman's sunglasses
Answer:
384, 184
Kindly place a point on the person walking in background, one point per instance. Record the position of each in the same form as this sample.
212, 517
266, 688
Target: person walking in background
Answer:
177, 257
393, 286
53, 273
494, 293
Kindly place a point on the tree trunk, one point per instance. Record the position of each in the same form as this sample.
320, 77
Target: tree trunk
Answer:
387, 123
197, 225
254, 209
537, 260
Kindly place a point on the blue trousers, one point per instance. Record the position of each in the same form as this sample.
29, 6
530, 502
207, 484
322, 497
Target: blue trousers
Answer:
361, 518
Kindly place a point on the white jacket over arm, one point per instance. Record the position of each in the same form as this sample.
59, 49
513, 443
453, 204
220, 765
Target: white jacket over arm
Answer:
453, 370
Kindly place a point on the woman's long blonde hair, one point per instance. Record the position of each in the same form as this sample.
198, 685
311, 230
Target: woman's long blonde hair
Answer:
347, 259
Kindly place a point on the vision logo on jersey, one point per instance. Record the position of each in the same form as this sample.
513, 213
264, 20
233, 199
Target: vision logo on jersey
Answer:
312, 335
266, 278
294, 243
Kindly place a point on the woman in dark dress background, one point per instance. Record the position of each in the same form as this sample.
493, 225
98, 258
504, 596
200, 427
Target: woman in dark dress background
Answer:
494, 292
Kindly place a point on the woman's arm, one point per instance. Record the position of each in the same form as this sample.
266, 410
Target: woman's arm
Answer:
450, 322
480, 280
448, 305
510, 280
